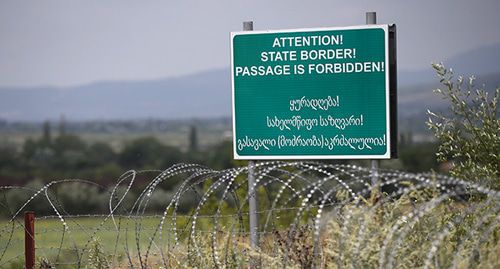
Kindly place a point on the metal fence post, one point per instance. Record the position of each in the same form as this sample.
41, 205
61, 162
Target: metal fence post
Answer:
252, 193
29, 239
371, 18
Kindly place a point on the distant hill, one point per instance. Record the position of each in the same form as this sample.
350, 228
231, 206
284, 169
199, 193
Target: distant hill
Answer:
480, 61
417, 98
207, 94
202, 95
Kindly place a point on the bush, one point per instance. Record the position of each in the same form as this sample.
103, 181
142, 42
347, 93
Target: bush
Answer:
148, 152
82, 198
470, 135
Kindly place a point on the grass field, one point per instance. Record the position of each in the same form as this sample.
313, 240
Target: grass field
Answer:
360, 243
58, 245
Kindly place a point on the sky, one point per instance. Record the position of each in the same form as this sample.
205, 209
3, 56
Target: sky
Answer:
68, 42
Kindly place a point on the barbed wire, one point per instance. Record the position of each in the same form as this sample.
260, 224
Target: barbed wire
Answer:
203, 222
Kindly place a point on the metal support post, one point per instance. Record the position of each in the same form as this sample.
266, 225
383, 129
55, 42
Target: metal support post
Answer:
252, 194
371, 18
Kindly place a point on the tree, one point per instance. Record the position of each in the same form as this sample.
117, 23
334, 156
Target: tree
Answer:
418, 157
47, 137
193, 139
64, 143
99, 154
148, 152
220, 156
469, 136
8, 158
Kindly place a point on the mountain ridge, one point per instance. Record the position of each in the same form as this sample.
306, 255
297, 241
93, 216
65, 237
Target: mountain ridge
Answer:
203, 94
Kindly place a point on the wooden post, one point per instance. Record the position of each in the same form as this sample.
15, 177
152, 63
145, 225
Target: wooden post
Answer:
29, 239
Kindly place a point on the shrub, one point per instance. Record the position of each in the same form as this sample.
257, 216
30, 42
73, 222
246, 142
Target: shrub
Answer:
470, 135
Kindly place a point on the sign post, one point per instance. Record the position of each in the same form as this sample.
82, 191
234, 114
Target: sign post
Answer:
252, 193
371, 18
322, 93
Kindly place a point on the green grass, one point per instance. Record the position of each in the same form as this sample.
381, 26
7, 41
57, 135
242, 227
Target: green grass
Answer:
80, 234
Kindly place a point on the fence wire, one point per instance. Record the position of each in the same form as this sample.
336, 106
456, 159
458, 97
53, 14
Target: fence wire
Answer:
311, 215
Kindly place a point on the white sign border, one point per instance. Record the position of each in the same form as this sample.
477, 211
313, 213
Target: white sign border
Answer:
386, 155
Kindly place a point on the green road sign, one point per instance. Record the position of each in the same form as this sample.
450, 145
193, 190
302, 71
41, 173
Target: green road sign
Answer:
311, 93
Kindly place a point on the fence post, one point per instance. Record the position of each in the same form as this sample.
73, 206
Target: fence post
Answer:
29, 239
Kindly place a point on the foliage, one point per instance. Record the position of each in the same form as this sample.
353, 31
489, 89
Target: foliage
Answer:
96, 257
418, 157
15, 198
301, 246
470, 135
221, 156
78, 198
398, 233
45, 264
401, 233
149, 152
426, 222
70, 156
193, 139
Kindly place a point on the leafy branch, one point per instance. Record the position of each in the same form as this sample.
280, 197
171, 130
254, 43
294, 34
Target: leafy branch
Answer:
469, 136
